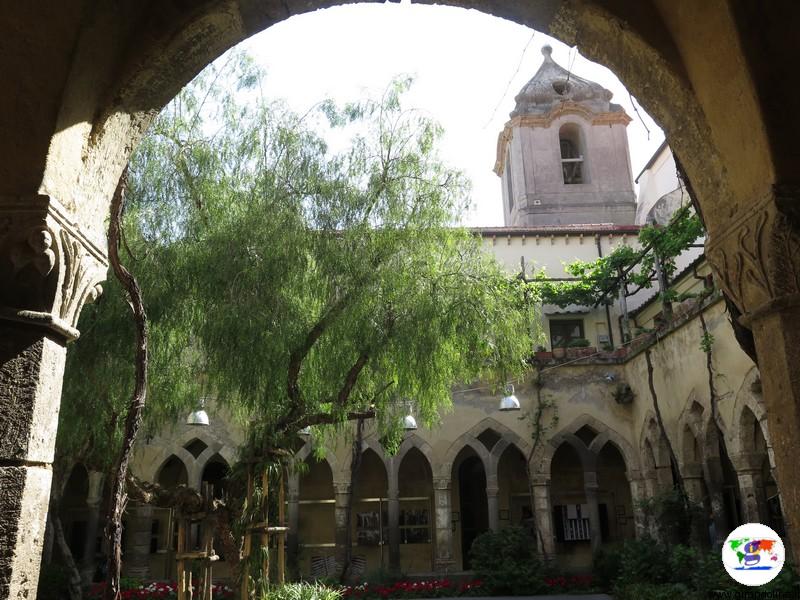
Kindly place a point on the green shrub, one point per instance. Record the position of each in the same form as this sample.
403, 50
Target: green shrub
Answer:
644, 561
578, 343
302, 591
607, 565
507, 564
786, 581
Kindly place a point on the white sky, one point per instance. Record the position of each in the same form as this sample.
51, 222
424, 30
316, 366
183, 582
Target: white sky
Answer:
462, 62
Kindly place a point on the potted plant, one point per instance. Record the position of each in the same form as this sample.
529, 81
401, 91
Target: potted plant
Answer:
559, 351
542, 353
576, 346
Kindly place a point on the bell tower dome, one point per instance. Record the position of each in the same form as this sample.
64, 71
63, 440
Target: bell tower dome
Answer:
563, 156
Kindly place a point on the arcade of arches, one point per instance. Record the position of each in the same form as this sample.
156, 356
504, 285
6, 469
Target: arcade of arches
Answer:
85, 81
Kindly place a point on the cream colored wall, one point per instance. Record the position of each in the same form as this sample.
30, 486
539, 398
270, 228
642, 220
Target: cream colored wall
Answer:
552, 253
681, 377
657, 181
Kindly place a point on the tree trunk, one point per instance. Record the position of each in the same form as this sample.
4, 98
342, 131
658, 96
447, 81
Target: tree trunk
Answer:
136, 406
355, 463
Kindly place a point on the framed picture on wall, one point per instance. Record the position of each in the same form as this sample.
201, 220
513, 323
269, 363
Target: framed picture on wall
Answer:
504, 514
368, 528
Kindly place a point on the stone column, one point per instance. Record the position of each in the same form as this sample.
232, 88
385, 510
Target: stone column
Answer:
751, 487
341, 490
756, 260
713, 479
493, 504
543, 510
137, 550
93, 501
48, 270
443, 562
639, 493
293, 515
590, 488
693, 483
393, 509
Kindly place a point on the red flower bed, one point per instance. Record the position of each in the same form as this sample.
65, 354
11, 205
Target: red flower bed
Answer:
434, 588
159, 590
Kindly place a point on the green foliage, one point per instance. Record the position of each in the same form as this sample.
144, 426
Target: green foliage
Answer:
644, 560
707, 342
598, 281
302, 591
607, 565
675, 515
506, 562
293, 283
578, 343
647, 569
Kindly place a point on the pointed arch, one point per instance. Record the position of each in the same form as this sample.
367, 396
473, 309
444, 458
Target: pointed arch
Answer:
306, 450
747, 398
412, 441
173, 467
463, 441
507, 436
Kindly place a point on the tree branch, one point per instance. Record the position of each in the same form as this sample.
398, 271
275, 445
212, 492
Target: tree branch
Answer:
299, 354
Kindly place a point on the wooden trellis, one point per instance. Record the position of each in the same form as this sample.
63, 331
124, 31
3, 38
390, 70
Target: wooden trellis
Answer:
206, 555
264, 530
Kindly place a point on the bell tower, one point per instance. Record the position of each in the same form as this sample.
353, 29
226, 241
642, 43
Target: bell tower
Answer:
563, 156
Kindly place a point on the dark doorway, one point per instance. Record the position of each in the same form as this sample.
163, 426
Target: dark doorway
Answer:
474, 508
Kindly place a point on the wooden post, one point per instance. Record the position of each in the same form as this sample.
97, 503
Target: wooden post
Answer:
282, 534
180, 550
248, 540
265, 534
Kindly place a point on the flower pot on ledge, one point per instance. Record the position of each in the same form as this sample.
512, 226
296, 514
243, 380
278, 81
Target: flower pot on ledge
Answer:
544, 355
559, 352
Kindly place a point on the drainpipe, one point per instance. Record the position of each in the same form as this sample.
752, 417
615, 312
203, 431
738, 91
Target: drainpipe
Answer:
623, 303
608, 312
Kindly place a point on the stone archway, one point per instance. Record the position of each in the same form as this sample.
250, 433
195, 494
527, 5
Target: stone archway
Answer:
99, 74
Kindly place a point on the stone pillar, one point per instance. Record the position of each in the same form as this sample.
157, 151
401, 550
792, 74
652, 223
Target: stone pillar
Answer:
341, 490
543, 510
137, 550
293, 515
756, 260
443, 562
693, 483
590, 488
751, 487
493, 505
48, 270
393, 509
638, 494
713, 466
94, 500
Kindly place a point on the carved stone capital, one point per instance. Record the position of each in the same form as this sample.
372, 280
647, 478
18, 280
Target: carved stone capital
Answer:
48, 266
756, 258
